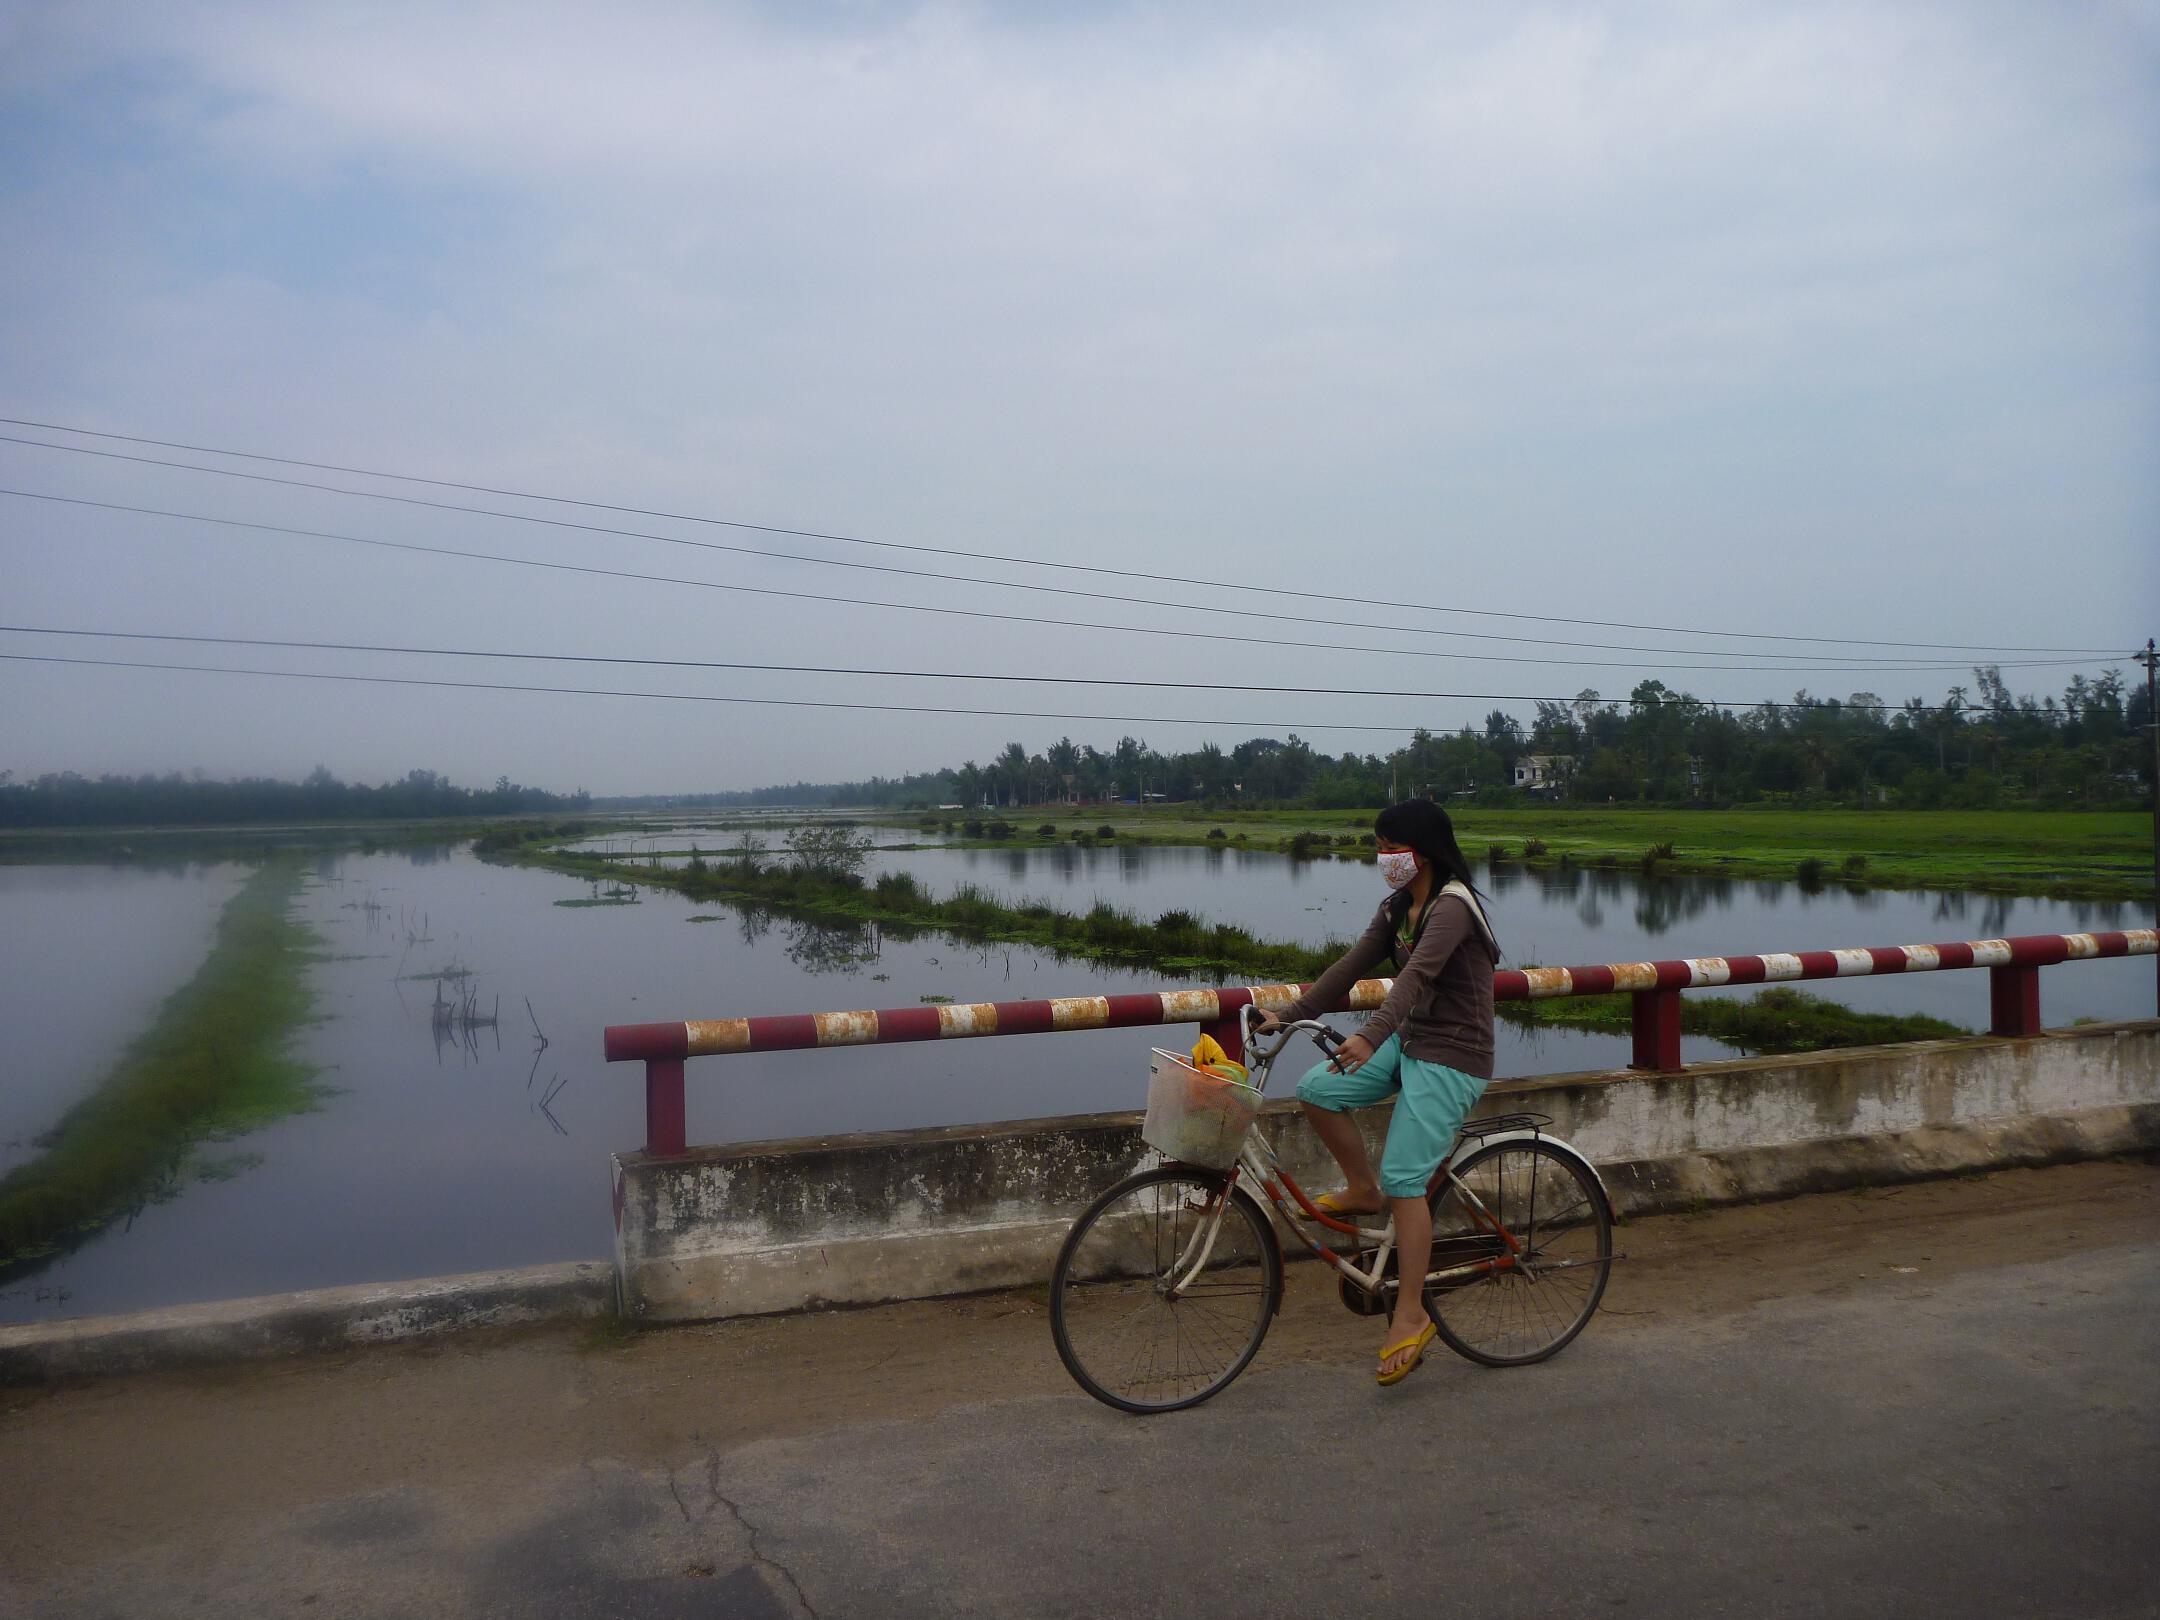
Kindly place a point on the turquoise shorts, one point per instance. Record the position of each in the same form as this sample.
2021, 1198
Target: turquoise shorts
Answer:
1433, 1102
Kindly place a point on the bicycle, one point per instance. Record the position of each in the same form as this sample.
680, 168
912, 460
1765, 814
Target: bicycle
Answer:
1168, 1282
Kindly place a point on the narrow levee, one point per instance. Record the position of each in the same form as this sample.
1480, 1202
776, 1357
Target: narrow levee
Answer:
214, 1064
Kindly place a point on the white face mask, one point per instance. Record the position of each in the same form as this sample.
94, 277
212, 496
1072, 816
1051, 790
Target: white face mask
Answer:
1397, 866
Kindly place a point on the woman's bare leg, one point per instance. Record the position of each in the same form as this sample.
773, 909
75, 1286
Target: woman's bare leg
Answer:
1340, 1134
1413, 1245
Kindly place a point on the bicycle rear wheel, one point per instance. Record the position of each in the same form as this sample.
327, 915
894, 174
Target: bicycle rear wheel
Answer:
1539, 1295
1147, 1315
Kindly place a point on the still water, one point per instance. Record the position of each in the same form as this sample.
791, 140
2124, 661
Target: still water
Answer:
467, 1145
1562, 917
86, 954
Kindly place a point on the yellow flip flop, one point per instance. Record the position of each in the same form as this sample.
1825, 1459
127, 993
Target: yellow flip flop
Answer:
1418, 1343
1331, 1205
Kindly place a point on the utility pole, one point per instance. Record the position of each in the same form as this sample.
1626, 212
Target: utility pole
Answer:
2151, 661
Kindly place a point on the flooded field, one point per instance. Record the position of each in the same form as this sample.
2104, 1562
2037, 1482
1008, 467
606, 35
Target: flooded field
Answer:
461, 1008
89, 953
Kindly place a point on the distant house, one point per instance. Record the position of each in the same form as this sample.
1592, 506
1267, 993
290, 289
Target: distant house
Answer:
1542, 773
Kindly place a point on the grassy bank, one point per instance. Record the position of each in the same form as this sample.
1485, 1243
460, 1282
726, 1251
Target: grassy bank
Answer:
212, 1064
1778, 1020
2063, 854
1175, 941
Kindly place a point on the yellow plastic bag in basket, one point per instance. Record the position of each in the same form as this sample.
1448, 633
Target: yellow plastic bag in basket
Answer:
1207, 1053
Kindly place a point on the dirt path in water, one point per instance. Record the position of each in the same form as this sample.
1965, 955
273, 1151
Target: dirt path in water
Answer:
88, 1471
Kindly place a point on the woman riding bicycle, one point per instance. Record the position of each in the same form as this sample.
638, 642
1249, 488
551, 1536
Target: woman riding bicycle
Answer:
1430, 1046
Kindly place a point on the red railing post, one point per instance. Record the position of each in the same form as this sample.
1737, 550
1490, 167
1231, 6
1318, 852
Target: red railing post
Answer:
2014, 1000
1226, 1029
1657, 1029
667, 1130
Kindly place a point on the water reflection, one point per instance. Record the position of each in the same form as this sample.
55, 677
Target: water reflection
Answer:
1660, 905
1551, 914
821, 948
414, 1168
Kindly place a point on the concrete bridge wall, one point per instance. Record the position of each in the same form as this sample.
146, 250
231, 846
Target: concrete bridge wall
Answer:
771, 1226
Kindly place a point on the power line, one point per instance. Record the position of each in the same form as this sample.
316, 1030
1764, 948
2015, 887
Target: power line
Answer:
593, 570
823, 669
1216, 608
699, 697
892, 545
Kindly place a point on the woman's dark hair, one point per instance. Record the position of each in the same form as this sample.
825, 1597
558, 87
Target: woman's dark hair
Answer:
1421, 825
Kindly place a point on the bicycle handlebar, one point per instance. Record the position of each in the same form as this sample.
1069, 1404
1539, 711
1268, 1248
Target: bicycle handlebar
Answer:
1327, 1038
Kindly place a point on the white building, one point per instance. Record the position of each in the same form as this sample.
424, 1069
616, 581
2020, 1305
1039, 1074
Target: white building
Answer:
1542, 772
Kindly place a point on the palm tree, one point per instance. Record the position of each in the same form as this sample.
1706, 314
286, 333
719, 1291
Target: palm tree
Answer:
1065, 762
1094, 771
1012, 767
1211, 770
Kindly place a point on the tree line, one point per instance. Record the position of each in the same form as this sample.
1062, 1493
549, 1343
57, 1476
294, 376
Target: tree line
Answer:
1981, 747
66, 799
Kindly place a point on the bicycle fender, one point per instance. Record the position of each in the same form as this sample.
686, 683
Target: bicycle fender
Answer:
1473, 1144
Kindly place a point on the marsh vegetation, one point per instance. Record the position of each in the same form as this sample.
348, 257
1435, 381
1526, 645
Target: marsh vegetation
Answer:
214, 1063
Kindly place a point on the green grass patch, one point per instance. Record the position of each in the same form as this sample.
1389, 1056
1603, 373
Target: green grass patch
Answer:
2064, 854
1778, 1020
214, 1063
1175, 941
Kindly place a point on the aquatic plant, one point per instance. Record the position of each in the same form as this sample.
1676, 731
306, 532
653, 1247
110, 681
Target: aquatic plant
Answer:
1779, 1019
214, 1062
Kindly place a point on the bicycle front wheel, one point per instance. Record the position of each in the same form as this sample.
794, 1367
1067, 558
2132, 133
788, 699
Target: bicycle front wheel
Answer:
1149, 1313
1539, 1292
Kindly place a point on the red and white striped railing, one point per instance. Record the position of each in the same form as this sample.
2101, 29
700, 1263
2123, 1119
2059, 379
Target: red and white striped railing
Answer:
2014, 993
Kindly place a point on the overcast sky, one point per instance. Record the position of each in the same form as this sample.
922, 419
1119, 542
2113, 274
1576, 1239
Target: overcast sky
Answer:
1803, 320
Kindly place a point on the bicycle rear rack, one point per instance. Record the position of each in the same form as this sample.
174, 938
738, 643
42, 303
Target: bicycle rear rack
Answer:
1494, 1124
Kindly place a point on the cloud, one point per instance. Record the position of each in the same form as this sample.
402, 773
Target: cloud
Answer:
1538, 307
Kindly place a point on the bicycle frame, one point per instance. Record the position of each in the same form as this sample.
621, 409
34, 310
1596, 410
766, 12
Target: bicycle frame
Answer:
1257, 1162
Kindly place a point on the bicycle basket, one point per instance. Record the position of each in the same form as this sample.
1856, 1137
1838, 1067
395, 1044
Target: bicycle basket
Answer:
1196, 1117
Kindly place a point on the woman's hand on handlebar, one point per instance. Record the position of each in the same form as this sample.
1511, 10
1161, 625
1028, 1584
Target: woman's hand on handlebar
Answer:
1264, 1022
1352, 1055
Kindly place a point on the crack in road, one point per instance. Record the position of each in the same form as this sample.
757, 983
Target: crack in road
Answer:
716, 1497
681, 1506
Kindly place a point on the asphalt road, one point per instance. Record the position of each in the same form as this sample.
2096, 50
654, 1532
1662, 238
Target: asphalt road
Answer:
1943, 1407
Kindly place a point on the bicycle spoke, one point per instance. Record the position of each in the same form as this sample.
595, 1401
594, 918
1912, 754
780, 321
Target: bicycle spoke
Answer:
1552, 1221
1142, 1346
